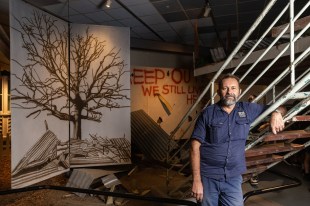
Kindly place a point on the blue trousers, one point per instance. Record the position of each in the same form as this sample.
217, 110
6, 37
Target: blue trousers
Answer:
226, 192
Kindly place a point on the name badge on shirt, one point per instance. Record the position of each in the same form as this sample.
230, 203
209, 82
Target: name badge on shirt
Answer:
241, 114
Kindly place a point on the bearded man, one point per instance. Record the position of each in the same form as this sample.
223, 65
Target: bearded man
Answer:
218, 145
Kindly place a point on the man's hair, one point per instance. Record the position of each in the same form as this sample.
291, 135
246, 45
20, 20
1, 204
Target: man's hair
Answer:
226, 76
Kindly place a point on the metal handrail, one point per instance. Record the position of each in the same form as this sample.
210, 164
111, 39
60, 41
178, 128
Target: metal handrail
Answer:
230, 57
98, 192
281, 77
297, 84
294, 62
281, 101
260, 39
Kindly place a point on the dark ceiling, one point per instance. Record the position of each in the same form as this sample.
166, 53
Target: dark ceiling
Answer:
172, 21
180, 22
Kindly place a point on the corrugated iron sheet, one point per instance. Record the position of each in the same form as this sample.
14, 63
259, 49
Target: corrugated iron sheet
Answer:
83, 178
149, 137
39, 153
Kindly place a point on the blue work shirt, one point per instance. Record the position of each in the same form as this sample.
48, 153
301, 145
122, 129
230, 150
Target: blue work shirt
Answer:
222, 137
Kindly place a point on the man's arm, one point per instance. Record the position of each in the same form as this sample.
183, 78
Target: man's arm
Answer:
276, 120
197, 188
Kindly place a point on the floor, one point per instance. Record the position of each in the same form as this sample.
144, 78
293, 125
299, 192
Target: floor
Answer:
149, 179
299, 196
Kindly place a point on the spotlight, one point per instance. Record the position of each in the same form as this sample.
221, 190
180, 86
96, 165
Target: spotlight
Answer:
108, 3
207, 10
105, 3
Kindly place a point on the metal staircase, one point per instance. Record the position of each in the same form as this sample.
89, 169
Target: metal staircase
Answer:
284, 69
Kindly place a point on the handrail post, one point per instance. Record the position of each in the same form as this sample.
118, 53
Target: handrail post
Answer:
212, 92
274, 94
292, 44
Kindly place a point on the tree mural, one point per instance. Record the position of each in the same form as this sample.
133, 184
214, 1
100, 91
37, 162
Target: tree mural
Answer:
93, 80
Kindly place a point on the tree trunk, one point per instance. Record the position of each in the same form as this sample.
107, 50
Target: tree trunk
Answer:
77, 129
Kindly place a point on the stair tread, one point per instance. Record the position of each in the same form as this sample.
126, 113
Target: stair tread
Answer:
255, 169
301, 118
263, 159
272, 148
292, 134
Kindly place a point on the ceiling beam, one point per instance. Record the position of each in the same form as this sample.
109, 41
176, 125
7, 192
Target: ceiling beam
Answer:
160, 46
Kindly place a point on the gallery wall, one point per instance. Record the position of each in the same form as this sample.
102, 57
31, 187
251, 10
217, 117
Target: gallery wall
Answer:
148, 58
70, 95
165, 94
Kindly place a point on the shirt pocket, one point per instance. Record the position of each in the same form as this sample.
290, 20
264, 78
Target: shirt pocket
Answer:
216, 133
241, 129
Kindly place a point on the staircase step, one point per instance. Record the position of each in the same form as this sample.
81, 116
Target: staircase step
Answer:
293, 134
271, 149
301, 118
263, 159
256, 169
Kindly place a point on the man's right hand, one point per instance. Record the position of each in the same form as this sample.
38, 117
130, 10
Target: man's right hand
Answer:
197, 190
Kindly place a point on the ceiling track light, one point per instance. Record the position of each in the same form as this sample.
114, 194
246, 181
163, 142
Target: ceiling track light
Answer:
108, 3
207, 10
105, 3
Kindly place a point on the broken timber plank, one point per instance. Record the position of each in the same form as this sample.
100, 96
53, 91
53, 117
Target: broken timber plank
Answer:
298, 25
293, 134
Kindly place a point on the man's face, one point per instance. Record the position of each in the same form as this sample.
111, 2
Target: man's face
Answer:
229, 91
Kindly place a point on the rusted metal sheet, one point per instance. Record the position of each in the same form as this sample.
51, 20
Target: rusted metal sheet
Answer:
149, 137
293, 134
250, 161
83, 178
272, 148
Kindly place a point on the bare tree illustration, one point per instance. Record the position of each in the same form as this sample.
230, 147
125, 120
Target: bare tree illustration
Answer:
93, 81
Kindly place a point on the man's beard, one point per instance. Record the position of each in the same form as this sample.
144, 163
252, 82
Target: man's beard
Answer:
226, 101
